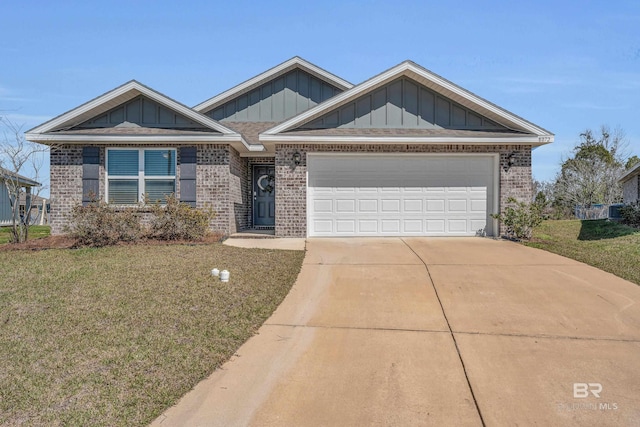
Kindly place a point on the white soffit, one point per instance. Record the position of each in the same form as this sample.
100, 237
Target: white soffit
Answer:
278, 70
426, 78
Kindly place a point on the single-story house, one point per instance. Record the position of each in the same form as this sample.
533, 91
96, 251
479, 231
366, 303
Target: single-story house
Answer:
302, 152
630, 181
6, 212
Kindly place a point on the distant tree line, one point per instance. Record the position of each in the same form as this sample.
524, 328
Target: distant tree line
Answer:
589, 175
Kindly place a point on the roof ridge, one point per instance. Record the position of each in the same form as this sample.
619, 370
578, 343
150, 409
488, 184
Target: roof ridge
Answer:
271, 73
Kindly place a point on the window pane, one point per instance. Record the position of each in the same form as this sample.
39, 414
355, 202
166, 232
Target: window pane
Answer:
123, 191
123, 162
159, 162
158, 189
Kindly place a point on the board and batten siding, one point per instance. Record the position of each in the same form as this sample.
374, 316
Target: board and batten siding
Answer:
141, 111
5, 205
403, 103
276, 100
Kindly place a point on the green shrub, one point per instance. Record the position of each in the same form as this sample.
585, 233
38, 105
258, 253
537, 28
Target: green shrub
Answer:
98, 224
179, 221
521, 219
631, 214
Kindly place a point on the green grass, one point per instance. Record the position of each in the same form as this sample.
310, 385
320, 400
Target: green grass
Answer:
606, 245
114, 336
35, 232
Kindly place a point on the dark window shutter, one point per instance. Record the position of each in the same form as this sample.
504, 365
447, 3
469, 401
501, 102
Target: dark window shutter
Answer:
90, 174
188, 161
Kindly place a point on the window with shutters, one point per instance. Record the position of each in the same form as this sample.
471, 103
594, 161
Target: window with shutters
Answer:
133, 175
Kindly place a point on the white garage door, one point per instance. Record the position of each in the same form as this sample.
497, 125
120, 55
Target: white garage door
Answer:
400, 195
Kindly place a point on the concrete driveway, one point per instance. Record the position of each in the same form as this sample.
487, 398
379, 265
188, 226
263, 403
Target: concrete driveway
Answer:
434, 331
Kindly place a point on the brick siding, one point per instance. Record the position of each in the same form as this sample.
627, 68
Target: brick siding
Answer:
224, 180
212, 182
291, 184
66, 184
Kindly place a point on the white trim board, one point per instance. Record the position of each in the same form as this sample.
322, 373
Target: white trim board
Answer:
511, 140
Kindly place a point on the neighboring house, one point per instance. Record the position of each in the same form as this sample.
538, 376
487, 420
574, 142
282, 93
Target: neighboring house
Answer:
40, 206
301, 151
6, 213
631, 185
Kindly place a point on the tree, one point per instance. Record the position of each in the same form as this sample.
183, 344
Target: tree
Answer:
591, 175
16, 156
631, 162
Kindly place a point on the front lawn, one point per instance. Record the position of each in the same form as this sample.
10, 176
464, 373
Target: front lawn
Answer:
606, 245
114, 336
35, 232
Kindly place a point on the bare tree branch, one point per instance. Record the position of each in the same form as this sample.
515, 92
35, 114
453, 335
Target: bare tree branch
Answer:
17, 158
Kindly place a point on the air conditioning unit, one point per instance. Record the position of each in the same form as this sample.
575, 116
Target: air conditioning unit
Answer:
614, 212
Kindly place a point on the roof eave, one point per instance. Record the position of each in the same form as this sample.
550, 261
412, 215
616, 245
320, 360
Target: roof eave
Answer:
532, 140
23, 181
235, 140
630, 173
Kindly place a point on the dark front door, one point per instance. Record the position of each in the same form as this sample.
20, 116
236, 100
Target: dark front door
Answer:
264, 196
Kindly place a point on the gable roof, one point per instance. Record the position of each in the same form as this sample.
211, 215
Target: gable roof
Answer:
273, 73
524, 130
59, 128
635, 170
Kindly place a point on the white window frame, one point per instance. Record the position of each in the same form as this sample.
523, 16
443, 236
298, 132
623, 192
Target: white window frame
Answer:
141, 177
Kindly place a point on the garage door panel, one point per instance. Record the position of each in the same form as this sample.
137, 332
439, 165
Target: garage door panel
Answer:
435, 205
345, 190
435, 226
368, 226
477, 224
368, 205
413, 226
478, 206
323, 226
457, 190
367, 190
457, 225
323, 205
346, 206
381, 195
457, 205
390, 205
413, 205
436, 191
390, 226
347, 226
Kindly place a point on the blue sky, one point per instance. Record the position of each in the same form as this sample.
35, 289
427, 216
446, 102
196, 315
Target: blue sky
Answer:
564, 65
